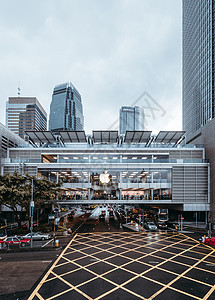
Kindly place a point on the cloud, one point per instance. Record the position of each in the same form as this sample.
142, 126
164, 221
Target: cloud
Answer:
112, 51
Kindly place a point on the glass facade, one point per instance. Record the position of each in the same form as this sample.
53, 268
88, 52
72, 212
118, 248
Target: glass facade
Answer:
131, 118
198, 64
66, 111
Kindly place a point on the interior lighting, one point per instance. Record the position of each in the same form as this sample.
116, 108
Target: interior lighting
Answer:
95, 157
105, 158
66, 157
134, 157
75, 157
115, 157
124, 157
144, 157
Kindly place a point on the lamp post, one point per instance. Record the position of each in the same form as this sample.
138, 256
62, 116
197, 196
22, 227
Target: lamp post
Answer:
32, 210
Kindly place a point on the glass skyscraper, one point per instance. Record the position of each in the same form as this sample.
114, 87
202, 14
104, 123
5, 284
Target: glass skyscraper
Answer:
199, 81
198, 64
66, 111
131, 118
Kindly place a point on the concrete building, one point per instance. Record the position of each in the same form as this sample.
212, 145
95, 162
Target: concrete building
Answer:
104, 167
25, 113
198, 80
9, 139
131, 118
66, 111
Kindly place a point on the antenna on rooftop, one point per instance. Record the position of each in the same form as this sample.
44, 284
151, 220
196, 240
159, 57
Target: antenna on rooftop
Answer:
18, 90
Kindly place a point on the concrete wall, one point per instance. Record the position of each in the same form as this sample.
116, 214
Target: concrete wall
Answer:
206, 137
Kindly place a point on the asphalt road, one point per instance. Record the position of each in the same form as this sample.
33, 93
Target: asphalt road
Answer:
101, 261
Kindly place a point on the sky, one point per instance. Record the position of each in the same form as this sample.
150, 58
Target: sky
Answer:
115, 52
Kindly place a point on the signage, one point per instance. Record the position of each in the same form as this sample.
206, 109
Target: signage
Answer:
51, 217
182, 218
104, 178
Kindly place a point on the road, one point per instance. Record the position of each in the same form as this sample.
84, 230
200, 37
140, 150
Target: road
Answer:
101, 261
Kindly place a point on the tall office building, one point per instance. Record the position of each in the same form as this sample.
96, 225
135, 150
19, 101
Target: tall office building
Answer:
25, 113
131, 118
199, 80
66, 111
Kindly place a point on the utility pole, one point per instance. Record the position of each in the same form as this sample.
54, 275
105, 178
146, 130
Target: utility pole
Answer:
32, 210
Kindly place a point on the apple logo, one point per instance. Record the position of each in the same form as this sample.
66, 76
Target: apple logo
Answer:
104, 178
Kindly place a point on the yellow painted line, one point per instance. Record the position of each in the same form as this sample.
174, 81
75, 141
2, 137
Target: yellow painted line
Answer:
39, 296
60, 294
209, 293
49, 271
72, 287
177, 278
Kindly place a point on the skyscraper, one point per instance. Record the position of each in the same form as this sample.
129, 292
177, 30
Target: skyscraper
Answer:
198, 64
66, 111
25, 113
199, 80
131, 118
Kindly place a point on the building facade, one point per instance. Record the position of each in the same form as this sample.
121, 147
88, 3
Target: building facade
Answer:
199, 80
9, 139
131, 118
25, 113
106, 169
66, 110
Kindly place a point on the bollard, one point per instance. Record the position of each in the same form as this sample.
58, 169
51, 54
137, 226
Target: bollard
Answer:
57, 243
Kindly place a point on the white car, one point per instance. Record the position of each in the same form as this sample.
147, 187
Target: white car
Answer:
37, 236
151, 226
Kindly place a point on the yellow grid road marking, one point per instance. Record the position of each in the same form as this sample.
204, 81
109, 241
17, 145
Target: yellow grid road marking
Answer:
111, 237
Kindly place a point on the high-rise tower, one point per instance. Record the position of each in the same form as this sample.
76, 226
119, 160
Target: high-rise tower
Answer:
199, 81
66, 111
198, 64
131, 118
25, 113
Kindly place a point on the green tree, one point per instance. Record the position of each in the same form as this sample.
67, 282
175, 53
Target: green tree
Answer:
15, 192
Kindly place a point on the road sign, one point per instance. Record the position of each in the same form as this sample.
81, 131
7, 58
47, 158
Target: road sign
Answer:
182, 218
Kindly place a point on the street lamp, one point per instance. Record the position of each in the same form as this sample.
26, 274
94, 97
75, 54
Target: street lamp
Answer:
32, 210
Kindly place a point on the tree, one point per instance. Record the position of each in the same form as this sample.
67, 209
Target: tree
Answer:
15, 191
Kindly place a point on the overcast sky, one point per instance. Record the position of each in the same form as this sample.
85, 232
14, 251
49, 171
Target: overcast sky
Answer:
111, 50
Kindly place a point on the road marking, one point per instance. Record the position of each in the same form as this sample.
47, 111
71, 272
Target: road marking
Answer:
127, 239
46, 261
49, 271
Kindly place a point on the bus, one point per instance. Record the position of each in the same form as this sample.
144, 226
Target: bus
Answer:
162, 215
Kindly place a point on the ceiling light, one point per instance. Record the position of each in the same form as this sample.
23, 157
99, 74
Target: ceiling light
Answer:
66, 157
134, 157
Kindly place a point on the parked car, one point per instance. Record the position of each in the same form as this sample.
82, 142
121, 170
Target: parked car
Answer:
37, 236
15, 240
151, 226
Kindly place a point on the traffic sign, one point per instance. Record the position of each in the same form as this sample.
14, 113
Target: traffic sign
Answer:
182, 218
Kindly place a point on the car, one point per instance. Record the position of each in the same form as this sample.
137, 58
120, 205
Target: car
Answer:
207, 240
151, 226
172, 225
162, 225
15, 240
37, 236
2, 236
102, 217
